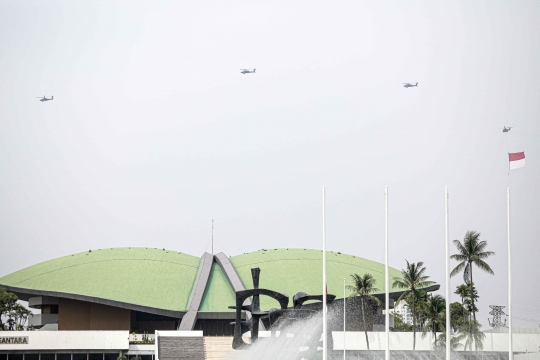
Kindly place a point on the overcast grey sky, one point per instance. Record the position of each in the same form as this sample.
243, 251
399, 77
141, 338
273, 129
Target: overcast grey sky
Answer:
153, 131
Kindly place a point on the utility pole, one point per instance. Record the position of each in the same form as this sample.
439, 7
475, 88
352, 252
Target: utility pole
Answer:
447, 276
386, 279
510, 345
344, 317
324, 274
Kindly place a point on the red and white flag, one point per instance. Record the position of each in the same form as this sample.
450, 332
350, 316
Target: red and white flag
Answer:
517, 160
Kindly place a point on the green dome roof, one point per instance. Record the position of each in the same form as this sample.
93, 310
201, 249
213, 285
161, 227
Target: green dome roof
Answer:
160, 279
293, 270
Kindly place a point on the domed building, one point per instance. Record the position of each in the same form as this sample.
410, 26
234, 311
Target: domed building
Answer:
145, 289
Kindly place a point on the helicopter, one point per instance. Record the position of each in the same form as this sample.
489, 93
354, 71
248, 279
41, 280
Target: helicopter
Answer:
246, 71
44, 98
408, 85
506, 129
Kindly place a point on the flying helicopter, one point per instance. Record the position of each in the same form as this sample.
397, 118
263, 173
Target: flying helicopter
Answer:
44, 98
408, 85
246, 71
506, 129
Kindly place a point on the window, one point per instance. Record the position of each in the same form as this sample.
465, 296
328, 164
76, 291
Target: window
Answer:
31, 356
111, 356
47, 356
79, 356
15, 356
62, 357
95, 356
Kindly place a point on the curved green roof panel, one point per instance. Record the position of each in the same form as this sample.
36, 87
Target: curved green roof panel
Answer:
292, 270
160, 279
219, 294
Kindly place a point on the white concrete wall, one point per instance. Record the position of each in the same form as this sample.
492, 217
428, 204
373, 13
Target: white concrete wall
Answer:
69, 340
529, 356
356, 340
521, 342
142, 349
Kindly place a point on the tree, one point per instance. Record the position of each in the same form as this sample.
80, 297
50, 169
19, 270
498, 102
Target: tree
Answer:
458, 315
421, 299
399, 325
457, 320
413, 278
7, 303
434, 316
470, 332
362, 287
472, 251
20, 315
463, 292
440, 343
471, 300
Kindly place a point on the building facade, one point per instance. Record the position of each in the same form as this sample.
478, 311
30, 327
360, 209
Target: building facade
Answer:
144, 291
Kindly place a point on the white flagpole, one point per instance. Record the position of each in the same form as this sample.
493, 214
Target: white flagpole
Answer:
448, 328
386, 279
324, 273
510, 345
344, 318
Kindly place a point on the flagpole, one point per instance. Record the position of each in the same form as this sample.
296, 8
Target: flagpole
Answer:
344, 318
510, 345
448, 328
386, 279
324, 273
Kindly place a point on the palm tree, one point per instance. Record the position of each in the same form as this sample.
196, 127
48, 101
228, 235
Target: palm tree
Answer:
434, 316
463, 291
413, 278
421, 299
470, 300
458, 314
470, 332
471, 252
441, 342
363, 287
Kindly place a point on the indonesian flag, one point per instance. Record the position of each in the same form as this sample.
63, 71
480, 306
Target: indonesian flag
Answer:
517, 160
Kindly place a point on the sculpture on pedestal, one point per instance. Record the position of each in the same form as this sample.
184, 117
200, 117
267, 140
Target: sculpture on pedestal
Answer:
276, 318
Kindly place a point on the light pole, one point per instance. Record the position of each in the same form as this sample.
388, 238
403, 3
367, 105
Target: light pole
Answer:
448, 328
324, 273
344, 317
386, 280
510, 345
